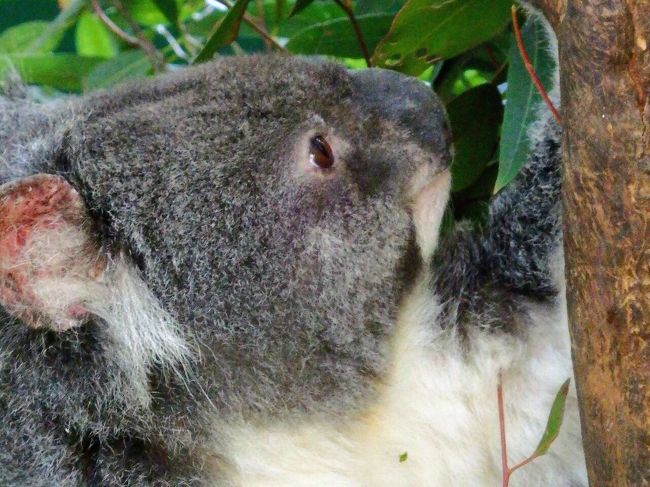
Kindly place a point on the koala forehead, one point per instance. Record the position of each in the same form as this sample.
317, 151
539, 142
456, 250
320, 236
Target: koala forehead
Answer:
204, 177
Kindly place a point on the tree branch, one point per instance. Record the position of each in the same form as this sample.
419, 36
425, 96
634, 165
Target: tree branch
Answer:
606, 195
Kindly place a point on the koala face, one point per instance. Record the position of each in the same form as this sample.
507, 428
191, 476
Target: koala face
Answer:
267, 203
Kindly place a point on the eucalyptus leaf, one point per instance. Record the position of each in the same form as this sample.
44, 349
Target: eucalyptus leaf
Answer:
15, 39
337, 38
60, 71
145, 12
554, 423
482, 188
524, 101
318, 13
299, 6
425, 31
378, 6
127, 65
15, 12
92, 38
474, 116
169, 9
224, 33
57, 27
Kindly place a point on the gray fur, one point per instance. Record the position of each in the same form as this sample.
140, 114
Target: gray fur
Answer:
490, 271
286, 288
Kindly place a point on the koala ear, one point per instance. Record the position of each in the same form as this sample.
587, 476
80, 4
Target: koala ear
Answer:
49, 264
429, 197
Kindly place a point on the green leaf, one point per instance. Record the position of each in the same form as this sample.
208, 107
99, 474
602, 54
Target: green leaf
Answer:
299, 6
56, 28
467, 71
14, 12
403, 457
169, 9
92, 38
378, 6
474, 116
224, 33
14, 39
554, 422
60, 71
145, 12
127, 65
482, 188
427, 30
336, 37
524, 101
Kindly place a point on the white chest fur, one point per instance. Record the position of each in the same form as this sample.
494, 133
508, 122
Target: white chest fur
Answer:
439, 406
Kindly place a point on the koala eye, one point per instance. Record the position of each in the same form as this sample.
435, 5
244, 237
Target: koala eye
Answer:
320, 153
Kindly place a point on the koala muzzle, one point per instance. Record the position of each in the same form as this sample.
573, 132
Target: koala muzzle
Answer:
405, 101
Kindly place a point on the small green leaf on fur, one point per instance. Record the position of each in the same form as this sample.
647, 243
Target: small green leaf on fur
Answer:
554, 423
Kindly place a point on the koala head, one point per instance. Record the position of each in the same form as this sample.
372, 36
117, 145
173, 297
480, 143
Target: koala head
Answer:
272, 207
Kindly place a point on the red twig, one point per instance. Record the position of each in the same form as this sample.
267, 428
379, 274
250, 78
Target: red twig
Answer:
528, 65
507, 471
253, 25
357, 30
521, 464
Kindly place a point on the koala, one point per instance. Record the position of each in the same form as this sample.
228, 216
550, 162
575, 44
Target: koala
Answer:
233, 276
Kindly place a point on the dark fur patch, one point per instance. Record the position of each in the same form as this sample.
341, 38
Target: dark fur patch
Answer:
482, 273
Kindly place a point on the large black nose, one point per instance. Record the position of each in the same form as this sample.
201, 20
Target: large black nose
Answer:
405, 101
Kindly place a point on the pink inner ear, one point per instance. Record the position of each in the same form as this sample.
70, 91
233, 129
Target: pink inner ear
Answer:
31, 210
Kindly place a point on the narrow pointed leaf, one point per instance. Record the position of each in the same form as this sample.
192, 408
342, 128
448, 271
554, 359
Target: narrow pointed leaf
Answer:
224, 33
169, 9
299, 6
524, 101
474, 116
554, 422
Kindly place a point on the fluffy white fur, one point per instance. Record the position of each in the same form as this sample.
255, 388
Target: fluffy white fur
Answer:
143, 334
437, 404
140, 333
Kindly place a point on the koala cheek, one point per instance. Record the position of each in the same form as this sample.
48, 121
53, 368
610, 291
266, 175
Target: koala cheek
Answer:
429, 201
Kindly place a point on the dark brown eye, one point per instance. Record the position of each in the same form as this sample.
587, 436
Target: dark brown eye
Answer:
320, 153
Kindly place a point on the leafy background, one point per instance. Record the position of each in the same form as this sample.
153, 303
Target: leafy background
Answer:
463, 49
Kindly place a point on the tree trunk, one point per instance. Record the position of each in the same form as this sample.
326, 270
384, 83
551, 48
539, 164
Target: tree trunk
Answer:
605, 84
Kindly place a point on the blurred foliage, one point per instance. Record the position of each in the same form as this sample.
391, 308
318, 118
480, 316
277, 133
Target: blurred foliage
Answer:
463, 49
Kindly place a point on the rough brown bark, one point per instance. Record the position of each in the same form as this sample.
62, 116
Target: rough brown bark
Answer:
605, 82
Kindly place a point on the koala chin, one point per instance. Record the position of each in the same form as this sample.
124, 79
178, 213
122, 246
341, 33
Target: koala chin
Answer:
233, 276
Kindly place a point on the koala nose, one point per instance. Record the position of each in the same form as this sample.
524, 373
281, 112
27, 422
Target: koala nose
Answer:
408, 102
